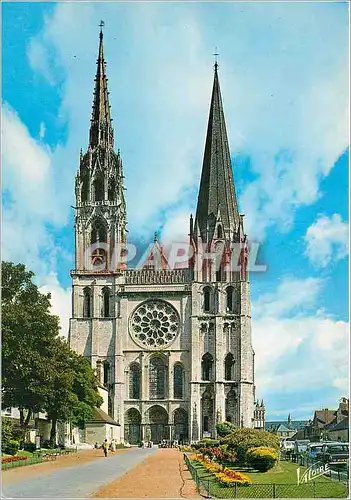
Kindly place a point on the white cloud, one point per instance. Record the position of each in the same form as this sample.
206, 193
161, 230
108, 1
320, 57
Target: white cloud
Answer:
42, 130
39, 59
173, 229
30, 204
327, 240
298, 349
272, 93
291, 295
60, 300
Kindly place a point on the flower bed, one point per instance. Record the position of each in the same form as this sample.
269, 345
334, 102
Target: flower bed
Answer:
222, 474
15, 458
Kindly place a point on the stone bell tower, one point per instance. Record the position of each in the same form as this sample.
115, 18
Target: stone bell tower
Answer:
100, 204
222, 353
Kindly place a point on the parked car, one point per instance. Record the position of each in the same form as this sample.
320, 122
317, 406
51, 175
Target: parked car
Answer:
286, 449
300, 446
334, 453
312, 449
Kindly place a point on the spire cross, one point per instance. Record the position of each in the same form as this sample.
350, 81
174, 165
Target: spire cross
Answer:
102, 24
215, 56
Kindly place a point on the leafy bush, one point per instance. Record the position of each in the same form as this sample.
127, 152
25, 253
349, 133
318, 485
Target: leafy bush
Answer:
15, 458
18, 434
29, 447
223, 474
229, 476
207, 443
186, 448
240, 440
6, 431
46, 444
228, 455
262, 458
225, 428
12, 447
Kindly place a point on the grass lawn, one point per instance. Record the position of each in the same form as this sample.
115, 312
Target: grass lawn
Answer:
32, 458
279, 482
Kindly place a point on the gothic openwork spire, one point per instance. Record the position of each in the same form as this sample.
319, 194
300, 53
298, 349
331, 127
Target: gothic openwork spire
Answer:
217, 192
101, 214
101, 131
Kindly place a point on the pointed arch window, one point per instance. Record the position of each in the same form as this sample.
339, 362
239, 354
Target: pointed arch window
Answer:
229, 367
219, 261
112, 189
85, 188
87, 303
157, 378
99, 370
207, 366
207, 299
106, 302
106, 373
178, 381
230, 298
99, 231
134, 381
219, 231
99, 188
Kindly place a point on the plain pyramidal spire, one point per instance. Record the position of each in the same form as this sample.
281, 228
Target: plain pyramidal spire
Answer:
101, 132
217, 191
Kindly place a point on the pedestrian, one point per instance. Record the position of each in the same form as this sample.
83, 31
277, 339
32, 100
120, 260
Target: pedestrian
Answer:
113, 446
105, 447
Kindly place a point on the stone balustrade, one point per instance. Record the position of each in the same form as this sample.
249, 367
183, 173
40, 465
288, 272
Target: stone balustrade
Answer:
162, 276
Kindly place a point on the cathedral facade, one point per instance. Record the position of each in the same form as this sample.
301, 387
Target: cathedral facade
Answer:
172, 346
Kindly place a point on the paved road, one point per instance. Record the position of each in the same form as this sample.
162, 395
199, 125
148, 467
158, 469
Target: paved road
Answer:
79, 481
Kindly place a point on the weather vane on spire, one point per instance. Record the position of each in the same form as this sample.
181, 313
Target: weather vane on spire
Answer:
215, 56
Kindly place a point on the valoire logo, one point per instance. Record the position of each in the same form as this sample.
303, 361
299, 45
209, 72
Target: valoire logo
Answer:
311, 473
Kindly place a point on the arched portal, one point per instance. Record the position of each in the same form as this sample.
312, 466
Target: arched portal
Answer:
158, 418
180, 429
231, 408
207, 414
132, 421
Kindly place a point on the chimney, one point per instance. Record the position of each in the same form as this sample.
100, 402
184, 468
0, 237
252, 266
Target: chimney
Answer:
325, 415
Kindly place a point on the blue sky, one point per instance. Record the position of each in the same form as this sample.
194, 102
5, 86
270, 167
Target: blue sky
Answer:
284, 78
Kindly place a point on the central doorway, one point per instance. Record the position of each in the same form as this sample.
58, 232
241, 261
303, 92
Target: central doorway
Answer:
158, 419
132, 426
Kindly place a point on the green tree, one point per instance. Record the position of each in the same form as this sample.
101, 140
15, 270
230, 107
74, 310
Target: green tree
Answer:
72, 390
40, 371
225, 428
28, 331
240, 440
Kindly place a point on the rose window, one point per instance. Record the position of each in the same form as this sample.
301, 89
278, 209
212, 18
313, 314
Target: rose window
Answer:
154, 324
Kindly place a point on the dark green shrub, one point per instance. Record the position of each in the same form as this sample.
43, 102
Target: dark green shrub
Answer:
6, 432
12, 447
46, 444
29, 447
261, 459
225, 428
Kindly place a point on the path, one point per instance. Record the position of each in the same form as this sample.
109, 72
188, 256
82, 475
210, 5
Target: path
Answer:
79, 481
162, 475
17, 474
